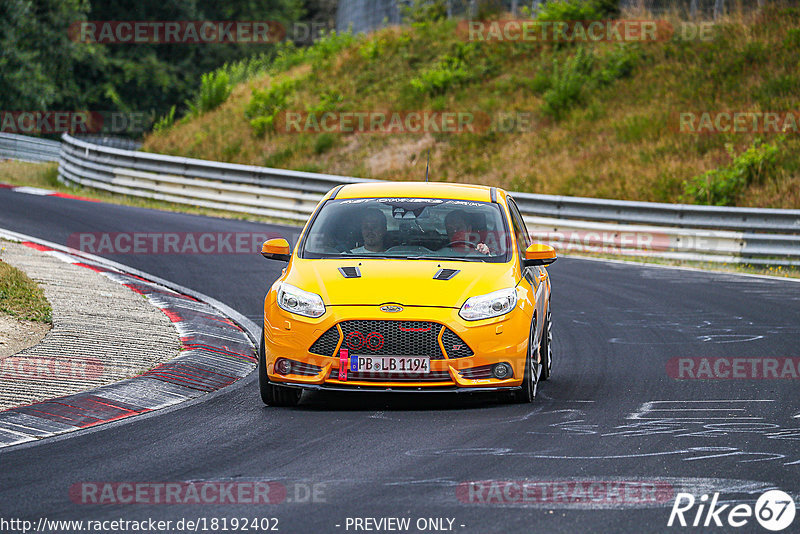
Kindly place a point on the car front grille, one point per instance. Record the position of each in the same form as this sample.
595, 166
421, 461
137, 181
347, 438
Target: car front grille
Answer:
454, 345
326, 344
433, 376
392, 338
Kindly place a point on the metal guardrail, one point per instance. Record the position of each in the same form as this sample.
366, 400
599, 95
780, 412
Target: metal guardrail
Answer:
701, 233
25, 148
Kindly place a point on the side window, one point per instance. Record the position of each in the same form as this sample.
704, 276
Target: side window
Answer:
523, 239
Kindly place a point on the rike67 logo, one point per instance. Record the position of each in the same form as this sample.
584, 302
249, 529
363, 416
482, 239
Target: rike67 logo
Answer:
774, 510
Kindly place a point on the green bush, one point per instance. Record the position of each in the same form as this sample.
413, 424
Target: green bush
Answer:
215, 87
244, 70
323, 143
581, 72
452, 70
328, 46
619, 64
264, 106
792, 39
165, 122
325, 47
423, 11
328, 101
721, 187
563, 10
567, 83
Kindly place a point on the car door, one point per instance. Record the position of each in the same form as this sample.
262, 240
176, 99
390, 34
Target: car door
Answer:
536, 276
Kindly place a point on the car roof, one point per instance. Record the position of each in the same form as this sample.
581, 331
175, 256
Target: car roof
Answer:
481, 193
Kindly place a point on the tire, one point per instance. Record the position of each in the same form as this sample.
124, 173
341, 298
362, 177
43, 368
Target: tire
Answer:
546, 348
530, 378
271, 394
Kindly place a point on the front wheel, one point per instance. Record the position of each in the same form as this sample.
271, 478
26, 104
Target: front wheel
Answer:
546, 349
272, 394
530, 378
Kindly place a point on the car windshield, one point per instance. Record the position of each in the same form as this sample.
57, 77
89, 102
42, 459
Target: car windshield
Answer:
408, 228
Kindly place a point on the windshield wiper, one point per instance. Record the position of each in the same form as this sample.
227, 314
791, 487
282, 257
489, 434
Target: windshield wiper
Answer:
368, 257
447, 258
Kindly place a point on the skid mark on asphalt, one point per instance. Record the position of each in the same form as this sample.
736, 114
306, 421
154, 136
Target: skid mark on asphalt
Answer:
600, 492
690, 453
711, 419
763, 288
703, 326
698, 410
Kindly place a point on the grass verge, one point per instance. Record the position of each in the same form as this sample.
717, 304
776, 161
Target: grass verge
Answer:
21, 297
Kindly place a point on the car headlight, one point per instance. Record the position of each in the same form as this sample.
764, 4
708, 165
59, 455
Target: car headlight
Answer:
490, 305
295, 300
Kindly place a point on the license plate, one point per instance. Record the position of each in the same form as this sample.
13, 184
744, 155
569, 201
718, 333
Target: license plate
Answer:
390, 364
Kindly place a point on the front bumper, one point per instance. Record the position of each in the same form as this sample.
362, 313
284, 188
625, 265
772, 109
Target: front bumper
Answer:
491, 341
405, 389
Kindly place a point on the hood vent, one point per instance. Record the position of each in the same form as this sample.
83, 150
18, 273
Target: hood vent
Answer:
350, 272
446, 274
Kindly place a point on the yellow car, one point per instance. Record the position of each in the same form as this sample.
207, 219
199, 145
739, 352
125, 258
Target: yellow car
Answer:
408, 287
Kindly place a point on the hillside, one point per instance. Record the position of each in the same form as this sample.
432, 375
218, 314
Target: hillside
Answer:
596, 119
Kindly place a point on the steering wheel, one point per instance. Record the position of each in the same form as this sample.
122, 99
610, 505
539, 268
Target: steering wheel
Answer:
453, 244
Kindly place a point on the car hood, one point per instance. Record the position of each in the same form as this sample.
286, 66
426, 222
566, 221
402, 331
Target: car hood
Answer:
405, 282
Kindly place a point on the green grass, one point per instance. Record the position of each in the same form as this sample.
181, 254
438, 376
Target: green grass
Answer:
20, 296
601, 113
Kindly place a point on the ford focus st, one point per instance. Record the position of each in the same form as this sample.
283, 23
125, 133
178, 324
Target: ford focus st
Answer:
409, 287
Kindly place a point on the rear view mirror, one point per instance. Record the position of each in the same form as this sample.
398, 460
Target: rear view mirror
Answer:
538, 254
276, 249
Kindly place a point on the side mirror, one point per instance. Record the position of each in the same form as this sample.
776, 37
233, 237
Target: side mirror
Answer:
538, 254
276, 249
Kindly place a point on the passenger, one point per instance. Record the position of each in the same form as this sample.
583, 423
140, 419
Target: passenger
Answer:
373, 230
459, 230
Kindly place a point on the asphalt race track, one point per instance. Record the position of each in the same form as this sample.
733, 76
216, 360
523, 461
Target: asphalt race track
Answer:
611, 414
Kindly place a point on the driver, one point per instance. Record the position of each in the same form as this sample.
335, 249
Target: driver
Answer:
459, 230
373, 230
